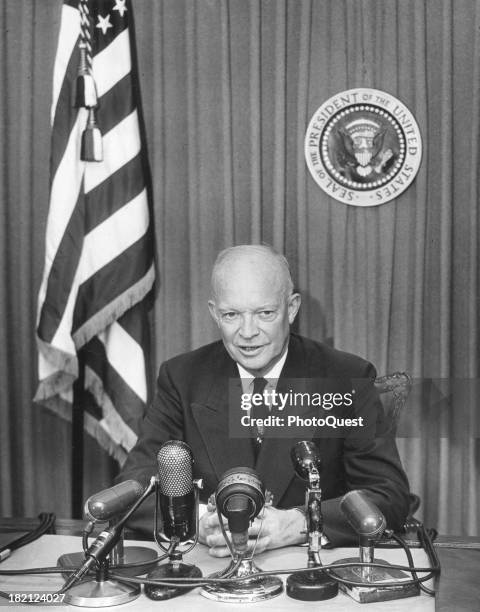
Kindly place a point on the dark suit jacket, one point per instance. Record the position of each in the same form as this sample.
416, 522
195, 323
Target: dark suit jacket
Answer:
191, 404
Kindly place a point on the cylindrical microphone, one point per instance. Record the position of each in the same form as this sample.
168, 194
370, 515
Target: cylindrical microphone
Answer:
306, 459
363, 515
111, 502
240, 496
177, 496
178, 501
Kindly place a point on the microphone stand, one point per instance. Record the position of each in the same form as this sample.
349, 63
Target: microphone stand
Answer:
365, 584
372, 578
102, 591
120, 555
315, 585
258, 588
175, 568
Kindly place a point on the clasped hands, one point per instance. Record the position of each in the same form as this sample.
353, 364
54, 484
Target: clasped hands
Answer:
278, 528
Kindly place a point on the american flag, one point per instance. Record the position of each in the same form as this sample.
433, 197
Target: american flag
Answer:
99, 268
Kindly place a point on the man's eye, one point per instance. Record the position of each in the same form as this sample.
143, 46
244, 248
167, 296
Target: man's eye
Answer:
229, 316
267, 315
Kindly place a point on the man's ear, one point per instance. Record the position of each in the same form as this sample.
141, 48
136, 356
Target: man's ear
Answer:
213, 311
293, 305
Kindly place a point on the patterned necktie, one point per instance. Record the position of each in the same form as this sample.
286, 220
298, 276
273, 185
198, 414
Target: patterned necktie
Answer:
260, 411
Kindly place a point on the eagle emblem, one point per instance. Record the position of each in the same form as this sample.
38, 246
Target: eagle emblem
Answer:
360, 149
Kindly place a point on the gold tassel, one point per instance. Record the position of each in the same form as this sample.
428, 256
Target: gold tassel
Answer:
86, 90
92, 147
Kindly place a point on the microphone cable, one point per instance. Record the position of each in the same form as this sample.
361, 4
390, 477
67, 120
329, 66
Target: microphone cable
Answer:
194, 582
47, 521
435, 568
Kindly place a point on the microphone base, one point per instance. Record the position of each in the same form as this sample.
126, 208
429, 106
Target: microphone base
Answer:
94, 594
315, 585
170, 570
258, 588
372, 590
132, 554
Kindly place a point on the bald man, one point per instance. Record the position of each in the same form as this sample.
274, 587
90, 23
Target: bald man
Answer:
253, 304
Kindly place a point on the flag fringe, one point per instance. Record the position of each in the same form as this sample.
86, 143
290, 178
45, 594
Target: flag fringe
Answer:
63, 408
114, 310
62, 379
94, 428
111, 421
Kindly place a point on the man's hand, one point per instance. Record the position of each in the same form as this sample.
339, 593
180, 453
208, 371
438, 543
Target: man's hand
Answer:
278, 528
210, 532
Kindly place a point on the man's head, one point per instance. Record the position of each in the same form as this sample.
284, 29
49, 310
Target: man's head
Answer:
253, 304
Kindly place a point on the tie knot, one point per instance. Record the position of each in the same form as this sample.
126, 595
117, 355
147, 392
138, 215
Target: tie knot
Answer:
259, 385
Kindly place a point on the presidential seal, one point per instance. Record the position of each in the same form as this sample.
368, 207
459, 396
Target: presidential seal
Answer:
363, 147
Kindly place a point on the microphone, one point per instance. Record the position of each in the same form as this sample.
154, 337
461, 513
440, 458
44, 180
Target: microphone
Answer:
364, 516
306, 460
108, 505
177, 498
111, 502
103, 591
240, 497
315, 585
176, 492
369, 523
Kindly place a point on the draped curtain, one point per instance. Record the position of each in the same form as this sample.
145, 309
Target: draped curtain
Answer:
228, 89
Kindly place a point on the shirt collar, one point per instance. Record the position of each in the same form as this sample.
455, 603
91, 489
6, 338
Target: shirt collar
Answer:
272, 374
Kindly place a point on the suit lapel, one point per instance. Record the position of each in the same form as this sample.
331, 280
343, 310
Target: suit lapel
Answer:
211, 415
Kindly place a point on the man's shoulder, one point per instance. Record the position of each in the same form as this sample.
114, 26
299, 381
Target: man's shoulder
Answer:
334, 362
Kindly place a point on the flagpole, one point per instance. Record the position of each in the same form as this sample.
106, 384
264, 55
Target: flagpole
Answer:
77, 441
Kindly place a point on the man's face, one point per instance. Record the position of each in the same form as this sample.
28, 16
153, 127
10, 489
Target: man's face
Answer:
254, 316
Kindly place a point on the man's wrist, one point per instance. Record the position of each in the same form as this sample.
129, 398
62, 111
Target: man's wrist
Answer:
300, 521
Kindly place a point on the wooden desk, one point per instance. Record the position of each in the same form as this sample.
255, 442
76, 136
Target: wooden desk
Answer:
46, 550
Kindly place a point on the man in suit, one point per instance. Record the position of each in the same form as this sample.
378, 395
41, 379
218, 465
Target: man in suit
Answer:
253, 303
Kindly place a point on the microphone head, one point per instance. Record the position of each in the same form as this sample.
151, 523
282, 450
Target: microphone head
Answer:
175, 472
305, 458
106, 504
363, 515
237, 483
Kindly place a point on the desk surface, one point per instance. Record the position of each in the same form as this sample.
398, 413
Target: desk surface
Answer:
45, 551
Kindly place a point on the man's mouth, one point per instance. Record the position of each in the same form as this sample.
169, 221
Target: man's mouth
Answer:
250, 349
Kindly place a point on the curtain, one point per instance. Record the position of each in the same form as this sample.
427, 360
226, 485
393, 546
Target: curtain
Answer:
228, 89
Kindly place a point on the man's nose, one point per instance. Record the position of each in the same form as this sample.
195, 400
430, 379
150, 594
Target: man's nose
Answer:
248, 328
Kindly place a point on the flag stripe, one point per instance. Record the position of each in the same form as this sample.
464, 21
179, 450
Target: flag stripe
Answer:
114, 236
65, 116
127, 403
105, 199
112, 64
135, 323
116, 150
66, 64
120, 101
64, 199
122, 352
104, 289
57, 284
